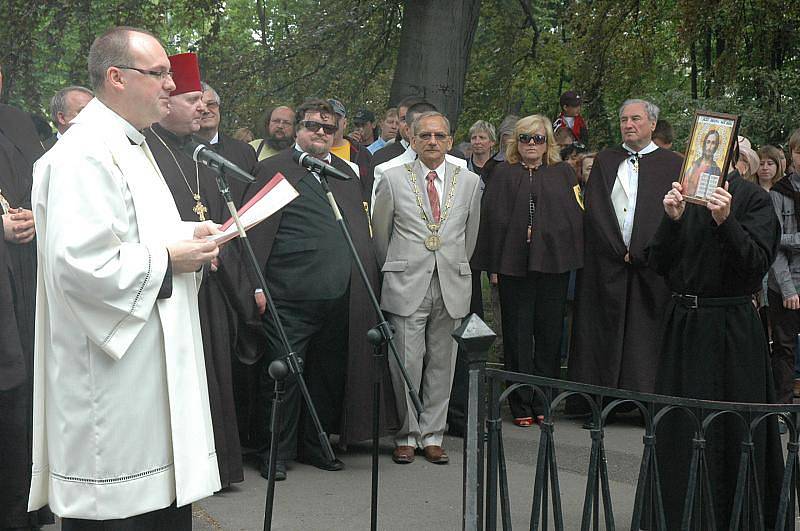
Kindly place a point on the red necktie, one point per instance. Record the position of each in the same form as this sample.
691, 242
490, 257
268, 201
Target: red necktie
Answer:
433, 197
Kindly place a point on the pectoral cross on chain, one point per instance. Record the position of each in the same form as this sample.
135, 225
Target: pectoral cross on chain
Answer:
199, 208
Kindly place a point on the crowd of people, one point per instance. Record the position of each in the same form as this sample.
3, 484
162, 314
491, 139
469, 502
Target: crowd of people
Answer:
135, 350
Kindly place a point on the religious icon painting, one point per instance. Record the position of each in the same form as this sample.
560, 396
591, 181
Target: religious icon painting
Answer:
709, 151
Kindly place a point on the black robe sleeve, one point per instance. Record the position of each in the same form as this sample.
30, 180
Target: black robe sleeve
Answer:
699, 257
663, 248
751, 237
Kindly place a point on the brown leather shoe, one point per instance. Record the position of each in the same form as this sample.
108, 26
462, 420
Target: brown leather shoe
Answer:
403, 455
436, 455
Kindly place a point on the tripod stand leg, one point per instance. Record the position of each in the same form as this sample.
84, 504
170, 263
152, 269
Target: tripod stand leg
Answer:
296, 369
377, 360
278, 371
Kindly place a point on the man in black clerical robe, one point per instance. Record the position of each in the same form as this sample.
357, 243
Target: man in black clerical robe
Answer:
244, 370
194, 189
19, 148
714, 346
619, 299
320, 298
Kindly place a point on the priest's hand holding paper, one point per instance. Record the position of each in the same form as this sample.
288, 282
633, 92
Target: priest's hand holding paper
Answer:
18, 226
190, 255
674, 205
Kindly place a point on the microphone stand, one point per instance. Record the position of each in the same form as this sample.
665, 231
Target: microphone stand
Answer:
279, 368
378, 336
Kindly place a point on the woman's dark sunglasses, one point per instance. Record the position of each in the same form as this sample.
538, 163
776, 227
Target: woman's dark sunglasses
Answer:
313, 126
537, 139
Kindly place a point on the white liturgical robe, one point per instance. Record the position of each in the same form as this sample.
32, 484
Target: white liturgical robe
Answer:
121, 415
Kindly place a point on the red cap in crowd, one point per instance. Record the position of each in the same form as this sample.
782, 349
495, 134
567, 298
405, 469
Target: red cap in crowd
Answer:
185, 73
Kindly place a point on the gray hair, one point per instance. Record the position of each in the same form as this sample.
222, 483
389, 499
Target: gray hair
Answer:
651, 109
485, 127
507, 125
428, 114
112, 48
58, 102
208, 88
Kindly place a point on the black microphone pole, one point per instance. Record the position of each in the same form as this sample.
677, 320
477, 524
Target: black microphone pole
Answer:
380, 335
280, 367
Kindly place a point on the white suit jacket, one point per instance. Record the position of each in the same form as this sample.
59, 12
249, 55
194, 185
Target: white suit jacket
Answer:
408, 157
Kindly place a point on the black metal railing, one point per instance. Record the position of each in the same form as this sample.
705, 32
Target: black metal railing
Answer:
490, 387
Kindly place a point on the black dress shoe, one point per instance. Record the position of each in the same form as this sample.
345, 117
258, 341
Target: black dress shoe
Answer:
322, 464
280, 470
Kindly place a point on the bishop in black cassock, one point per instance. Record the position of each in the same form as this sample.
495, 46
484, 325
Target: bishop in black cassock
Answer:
217, 318
19, 148
194, 189
714, 346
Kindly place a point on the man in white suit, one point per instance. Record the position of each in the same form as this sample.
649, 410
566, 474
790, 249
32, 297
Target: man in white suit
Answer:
425, 224
409, 155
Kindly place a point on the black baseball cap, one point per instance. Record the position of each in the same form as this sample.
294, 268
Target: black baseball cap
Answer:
571, 98
363, 116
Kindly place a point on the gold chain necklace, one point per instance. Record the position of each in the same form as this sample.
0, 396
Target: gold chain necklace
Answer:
199, 208
433, 242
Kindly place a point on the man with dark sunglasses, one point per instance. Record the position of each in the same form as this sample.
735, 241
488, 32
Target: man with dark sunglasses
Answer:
319, 296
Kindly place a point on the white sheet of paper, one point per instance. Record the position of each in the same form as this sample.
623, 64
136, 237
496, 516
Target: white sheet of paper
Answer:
259, 208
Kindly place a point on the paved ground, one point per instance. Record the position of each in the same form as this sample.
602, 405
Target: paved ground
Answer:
422, 495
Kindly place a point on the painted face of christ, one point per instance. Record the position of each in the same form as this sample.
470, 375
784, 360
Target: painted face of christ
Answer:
710, 145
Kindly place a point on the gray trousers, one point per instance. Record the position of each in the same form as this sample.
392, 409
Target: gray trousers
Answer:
428, 352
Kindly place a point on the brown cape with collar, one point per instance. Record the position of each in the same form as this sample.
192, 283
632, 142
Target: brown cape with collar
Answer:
619, 305
557, 240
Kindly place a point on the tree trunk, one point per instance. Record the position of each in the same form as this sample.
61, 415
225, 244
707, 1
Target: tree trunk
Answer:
432, 61
707, 64
693, 56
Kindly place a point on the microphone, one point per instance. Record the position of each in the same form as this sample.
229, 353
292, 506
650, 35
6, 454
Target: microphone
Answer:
313, 164
202, 153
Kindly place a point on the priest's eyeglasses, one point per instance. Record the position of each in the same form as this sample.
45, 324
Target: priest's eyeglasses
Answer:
537, 139
160, 74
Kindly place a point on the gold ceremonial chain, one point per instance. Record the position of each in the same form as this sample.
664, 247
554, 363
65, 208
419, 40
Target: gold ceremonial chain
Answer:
199, 208
4, 204
434, 242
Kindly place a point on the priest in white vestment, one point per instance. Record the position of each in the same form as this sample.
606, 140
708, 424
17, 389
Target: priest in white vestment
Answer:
121, 416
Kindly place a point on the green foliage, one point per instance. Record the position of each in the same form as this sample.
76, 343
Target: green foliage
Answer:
732, 56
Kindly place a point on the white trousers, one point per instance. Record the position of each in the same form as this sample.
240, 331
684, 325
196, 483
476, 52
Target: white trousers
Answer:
428, 351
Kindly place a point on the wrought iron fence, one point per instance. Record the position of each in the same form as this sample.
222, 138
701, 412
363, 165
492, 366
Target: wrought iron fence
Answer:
488, 388
648, 510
